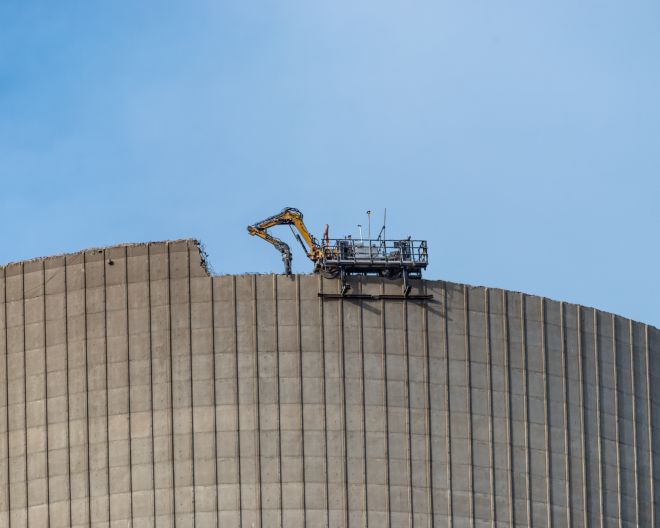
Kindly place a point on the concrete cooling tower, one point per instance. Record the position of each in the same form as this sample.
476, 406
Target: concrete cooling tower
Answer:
137, 390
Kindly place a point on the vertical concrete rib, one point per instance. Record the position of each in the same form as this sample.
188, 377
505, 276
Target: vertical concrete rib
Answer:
301, 395
6, 365
324, 392
45, 346
525, 371
649, 414
25, 428
344, 419
598, 419
68, 389
86, 352
11, 397
130, 410
238, 402
568, 456
364, 413
631, 350
616, 419
107, 390
193, 491
583, 382
507, 389
257, 403
151, 386
430, 481
548, 468
278, 389
491, 417
214, 367
171, 370
406, 355
387, 419
468, 395
450, 499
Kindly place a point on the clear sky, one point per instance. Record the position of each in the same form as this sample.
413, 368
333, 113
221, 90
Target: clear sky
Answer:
522, 139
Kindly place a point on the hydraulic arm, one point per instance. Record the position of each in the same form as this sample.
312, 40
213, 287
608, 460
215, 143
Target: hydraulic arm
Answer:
282, 247
292, 217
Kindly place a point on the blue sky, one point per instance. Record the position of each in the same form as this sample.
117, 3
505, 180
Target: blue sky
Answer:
522, 139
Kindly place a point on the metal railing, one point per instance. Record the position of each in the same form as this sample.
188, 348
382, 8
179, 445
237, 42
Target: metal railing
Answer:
375, 253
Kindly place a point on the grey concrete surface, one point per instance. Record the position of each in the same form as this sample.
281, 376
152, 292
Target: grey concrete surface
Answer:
136, 390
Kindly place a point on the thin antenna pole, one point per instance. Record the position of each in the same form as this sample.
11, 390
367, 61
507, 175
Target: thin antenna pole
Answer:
384, 223
369, 216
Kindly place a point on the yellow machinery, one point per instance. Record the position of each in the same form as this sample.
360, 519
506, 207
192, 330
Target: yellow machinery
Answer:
292, 217
342, 257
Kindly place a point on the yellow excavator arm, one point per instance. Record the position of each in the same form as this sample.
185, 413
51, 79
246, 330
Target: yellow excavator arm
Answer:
283, 247
292, 217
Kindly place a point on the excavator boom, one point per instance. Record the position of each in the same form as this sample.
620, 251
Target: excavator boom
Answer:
292, 217
281, 246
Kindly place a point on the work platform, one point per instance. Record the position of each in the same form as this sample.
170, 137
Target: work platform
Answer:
391, 259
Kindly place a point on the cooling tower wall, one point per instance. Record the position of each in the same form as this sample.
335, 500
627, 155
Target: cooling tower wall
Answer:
136, 390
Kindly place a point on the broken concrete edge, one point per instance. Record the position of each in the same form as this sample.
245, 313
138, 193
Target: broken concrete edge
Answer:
192, 243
